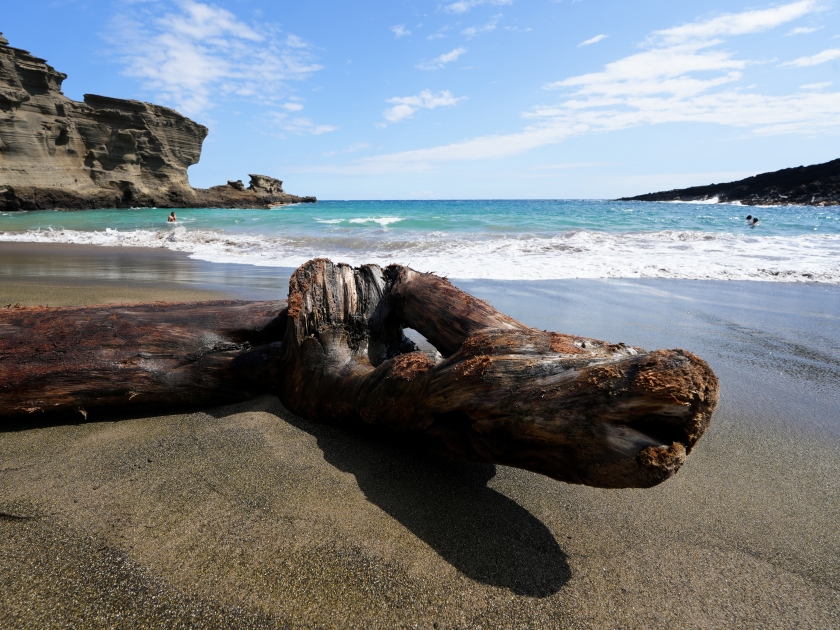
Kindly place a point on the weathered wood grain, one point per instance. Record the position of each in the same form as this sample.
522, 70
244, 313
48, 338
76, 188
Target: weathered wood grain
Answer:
573, 408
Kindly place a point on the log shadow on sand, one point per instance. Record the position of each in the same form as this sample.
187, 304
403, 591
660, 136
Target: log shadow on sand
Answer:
487, 536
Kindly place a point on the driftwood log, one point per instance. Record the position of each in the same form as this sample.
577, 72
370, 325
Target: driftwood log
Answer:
572, 408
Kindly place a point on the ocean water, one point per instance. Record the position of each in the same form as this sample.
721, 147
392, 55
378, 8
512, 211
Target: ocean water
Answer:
503, 239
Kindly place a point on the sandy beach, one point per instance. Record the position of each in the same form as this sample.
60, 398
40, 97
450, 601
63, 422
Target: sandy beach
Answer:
247, 516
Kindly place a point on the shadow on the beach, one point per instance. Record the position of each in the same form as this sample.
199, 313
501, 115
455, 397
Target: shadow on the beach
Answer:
447, 504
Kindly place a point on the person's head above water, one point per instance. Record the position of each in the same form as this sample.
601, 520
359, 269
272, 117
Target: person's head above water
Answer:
755, 220
172, 218
749, 216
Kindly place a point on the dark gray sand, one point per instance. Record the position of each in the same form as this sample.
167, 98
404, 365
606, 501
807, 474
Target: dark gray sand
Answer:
247, 516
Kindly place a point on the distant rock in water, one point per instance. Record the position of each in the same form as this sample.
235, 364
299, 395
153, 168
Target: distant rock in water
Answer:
56, 153
816, 185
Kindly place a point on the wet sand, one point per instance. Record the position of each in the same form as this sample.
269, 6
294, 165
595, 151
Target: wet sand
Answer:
248, 516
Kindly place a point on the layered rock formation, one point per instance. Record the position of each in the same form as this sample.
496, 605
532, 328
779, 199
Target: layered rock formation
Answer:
102, 153
816, 185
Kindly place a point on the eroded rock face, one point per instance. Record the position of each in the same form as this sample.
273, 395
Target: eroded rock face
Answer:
266, 185
104, 145
104, 152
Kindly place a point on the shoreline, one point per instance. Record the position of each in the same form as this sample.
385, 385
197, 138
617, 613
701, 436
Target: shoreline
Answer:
582, 256
125, 274
247, 516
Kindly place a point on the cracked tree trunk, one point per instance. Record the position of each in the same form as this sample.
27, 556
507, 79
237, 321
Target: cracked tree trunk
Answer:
572, 408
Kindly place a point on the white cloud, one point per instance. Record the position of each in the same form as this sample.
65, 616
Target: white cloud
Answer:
736, 23
802, 30
815, 86
353, 148
439, 34
462, 6
292, 107
400, 31
442, 60
593, 40
405, 106
685, 76
200, 53
472, 31
300, 125
827, 55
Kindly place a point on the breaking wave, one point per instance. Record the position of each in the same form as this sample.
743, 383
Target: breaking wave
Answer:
570, 254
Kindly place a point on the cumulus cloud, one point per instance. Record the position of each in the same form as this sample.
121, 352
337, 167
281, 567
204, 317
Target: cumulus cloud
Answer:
462, 6
472, 31
593, 40
405, 106
400, 31
195, 54
684, 76
442, 60
822, 57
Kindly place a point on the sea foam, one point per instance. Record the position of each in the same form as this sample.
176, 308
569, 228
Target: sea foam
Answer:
570, 254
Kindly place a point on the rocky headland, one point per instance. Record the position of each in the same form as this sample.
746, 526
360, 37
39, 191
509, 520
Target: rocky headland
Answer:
815, 185
57, 153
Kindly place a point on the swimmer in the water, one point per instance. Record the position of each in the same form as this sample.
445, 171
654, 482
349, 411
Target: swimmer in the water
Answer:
754, 222
172, 218
749, 218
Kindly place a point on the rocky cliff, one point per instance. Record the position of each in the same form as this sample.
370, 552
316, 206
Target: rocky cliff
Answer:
816, 185
104, 152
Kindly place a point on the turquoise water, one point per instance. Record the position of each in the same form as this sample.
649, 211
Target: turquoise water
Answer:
503, 216
489, 239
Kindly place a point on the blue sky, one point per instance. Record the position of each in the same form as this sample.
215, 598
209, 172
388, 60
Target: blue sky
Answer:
465, 98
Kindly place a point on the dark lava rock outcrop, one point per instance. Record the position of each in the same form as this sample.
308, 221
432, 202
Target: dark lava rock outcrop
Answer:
56, 153
816, 185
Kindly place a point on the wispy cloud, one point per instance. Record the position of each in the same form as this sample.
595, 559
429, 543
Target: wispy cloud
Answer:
199, 53
353, 148
400, 31
593, 40
730, 24
684, 76
442, 60
405, 106
803, 30
472, 31
814, 60
439, 34
815, 86
462, 6
300, 125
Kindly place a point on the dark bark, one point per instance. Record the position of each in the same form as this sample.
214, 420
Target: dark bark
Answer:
82, 359
573, 408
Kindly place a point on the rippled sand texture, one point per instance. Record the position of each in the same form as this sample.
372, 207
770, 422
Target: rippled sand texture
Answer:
247, 516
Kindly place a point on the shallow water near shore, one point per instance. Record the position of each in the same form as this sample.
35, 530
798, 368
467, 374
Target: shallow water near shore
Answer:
502, 239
